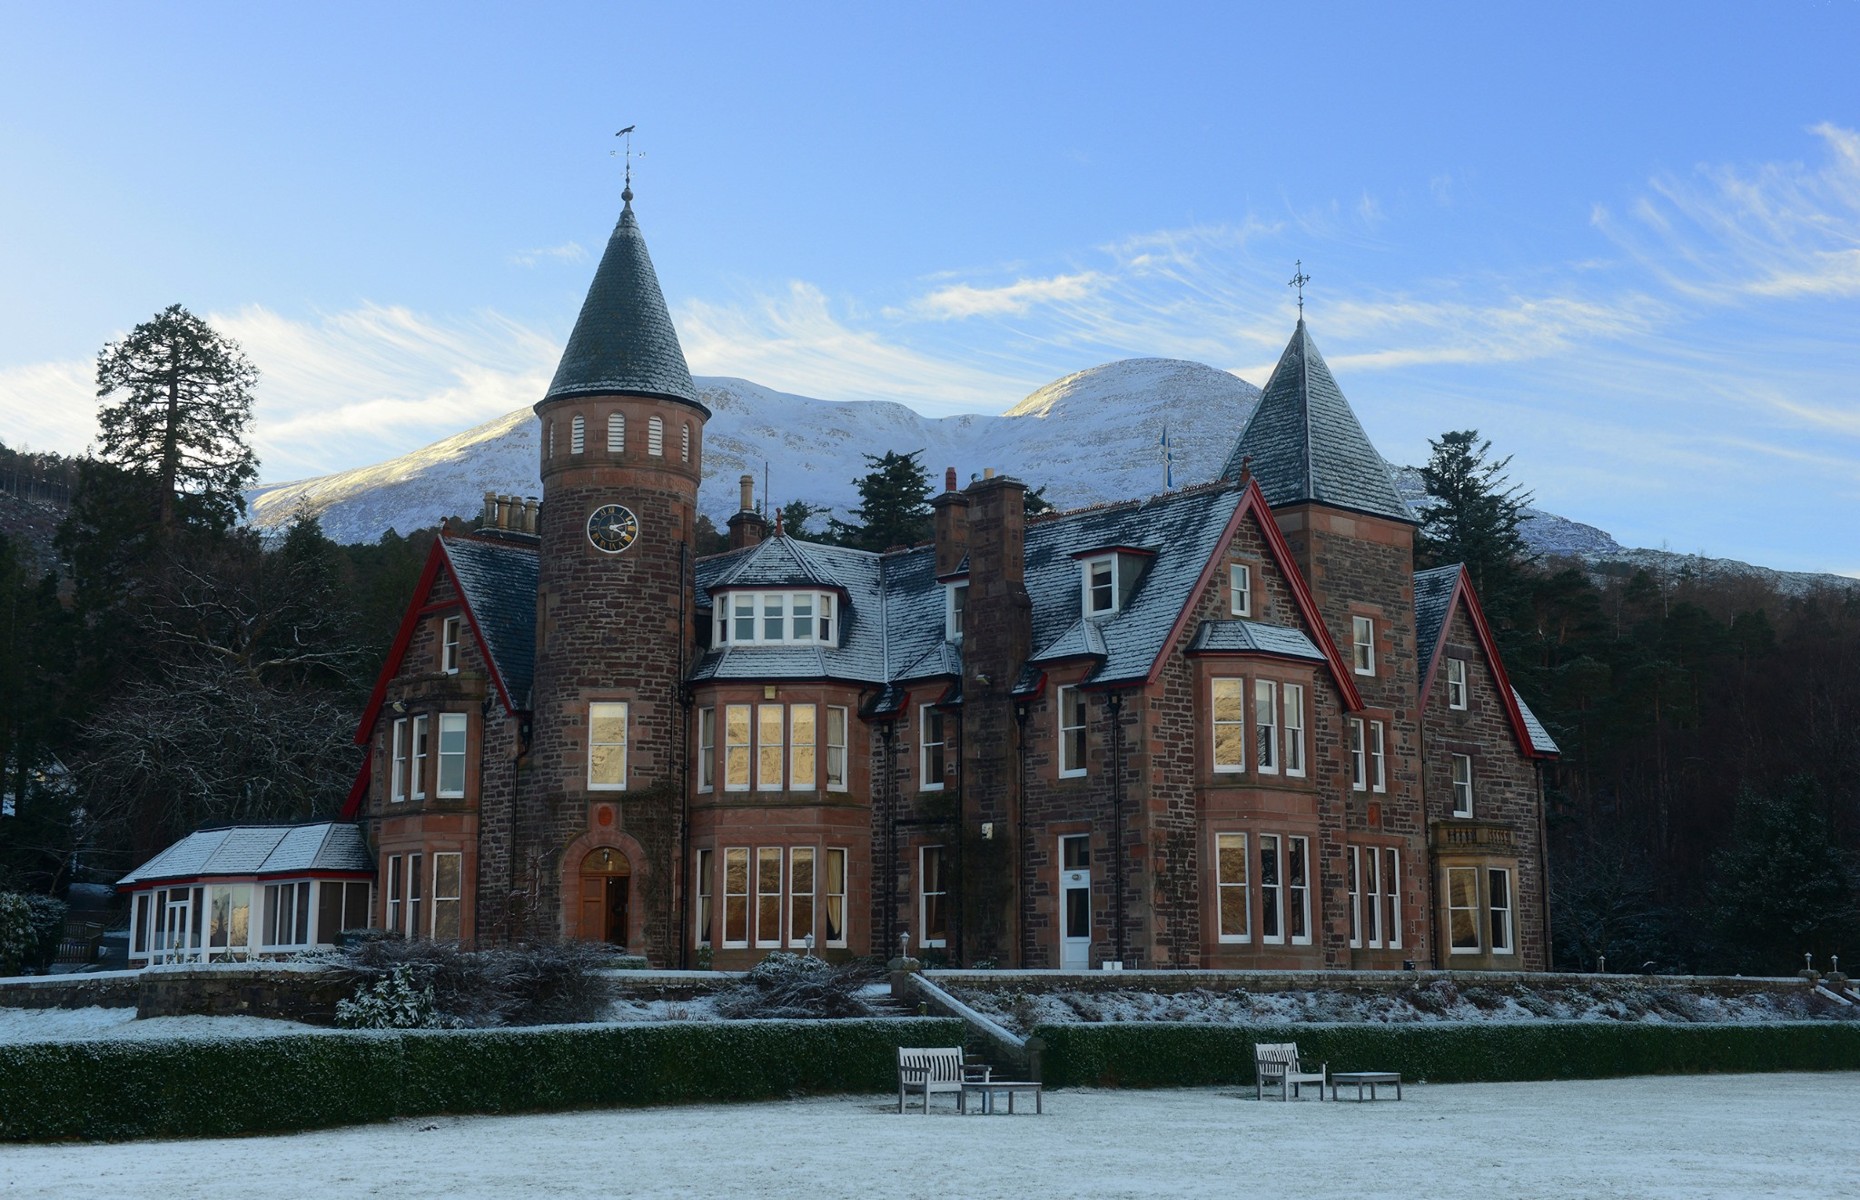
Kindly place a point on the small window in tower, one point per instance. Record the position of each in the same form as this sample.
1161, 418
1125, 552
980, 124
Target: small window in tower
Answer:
616, 432
684, 449
577, 434
655, 437
552, 439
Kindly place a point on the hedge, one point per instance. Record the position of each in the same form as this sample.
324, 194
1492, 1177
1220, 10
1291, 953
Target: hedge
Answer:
1154, 1054
194, 1087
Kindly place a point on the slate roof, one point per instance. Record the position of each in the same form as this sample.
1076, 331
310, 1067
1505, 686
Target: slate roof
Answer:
1541, 741
892, 607
1433, 594
1306, 443
244, 850
1253, 637
499, 582
624, 340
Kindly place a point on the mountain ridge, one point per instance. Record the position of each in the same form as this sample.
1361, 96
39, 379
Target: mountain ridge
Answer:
1089, 437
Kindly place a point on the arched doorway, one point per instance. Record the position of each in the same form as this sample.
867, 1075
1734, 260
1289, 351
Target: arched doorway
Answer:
606, 892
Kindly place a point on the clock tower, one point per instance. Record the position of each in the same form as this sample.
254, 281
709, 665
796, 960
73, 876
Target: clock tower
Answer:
595, 840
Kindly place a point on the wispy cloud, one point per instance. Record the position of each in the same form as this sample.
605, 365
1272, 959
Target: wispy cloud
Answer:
567, 252
966, 300
1728, 235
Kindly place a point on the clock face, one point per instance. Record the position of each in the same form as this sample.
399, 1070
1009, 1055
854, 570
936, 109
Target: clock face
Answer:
612, 528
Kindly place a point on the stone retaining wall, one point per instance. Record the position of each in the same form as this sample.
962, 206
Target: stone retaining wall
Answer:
1168, 982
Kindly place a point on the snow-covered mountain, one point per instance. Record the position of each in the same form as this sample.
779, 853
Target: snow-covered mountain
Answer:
1089, 437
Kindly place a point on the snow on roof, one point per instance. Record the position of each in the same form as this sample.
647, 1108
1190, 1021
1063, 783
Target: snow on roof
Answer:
243, 850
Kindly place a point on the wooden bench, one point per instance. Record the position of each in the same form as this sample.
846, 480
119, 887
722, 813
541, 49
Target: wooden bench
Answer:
1276, 1063
929, 1070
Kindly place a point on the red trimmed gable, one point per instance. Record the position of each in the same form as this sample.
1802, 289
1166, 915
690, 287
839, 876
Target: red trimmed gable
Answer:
1253, 503
1463, 594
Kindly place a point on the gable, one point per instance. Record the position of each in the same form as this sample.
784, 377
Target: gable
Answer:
1442, 595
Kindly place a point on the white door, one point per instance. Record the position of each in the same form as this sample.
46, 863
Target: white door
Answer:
1075, 903
175, 927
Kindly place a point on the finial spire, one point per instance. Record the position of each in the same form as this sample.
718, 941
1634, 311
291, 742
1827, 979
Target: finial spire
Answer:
1298, 281
626, 195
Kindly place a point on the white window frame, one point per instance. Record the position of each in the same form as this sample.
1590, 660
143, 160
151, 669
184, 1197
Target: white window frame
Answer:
616, 432
1088, 588
1391, 895
1294, 695
449, 630
1456, 684
764, 855
801, 925
955, 600
739, 752
1070, 702
416, 893
397, 764
702, 929
1378, 757
452, 724
608, 710
1354, 869
300, 914
396, 879
1462, 785
1240, 589
1237, 723
1271, 889
440, 898
1298, 887
839, 730
741, 854
421, 746
1359, 755
1225, 887
1266, 726
1471, 909
771, 753
838, 865
1501, 914
924, 893
655, 436
1372, 884
770, 618
925, 715
1363, 644
707, 749
803, 750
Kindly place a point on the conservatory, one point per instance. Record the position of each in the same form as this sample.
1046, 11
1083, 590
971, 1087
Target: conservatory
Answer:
249, 891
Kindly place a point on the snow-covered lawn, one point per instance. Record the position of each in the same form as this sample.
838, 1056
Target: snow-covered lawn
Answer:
66, 1024
1681, 1137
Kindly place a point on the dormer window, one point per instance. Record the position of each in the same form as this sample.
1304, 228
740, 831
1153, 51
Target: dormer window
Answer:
1100, 585
956, 598
1108, 577
776, 619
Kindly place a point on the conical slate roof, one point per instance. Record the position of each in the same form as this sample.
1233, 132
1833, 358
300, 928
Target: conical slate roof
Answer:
624, 340
1306, 443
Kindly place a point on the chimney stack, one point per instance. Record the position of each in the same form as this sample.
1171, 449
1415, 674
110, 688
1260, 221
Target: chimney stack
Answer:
747, 527
952, 526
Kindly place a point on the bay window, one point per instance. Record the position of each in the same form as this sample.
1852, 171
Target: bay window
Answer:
1266, 726
769, 747
775, 618
448, 886
707, 749
1230, 865
736, 896
802, 747
1294, 729
736, 748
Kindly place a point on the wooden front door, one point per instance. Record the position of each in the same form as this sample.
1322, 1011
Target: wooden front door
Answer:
606, 894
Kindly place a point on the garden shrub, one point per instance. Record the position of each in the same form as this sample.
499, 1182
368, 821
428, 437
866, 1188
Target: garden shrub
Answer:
123, 1088
400, 1001
1152, 1054
787, 985
550, 984
17, 938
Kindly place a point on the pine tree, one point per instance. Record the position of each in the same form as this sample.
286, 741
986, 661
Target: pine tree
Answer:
894, 504
186, 400
1473, 516
1782, 887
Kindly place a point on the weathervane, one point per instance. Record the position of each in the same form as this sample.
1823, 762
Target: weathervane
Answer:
1298, 281
627, 133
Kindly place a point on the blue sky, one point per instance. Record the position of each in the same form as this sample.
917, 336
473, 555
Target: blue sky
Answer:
1623, 241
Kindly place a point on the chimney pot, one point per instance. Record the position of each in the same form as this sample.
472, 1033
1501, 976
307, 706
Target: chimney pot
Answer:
746, 486
949, 479
988, 472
